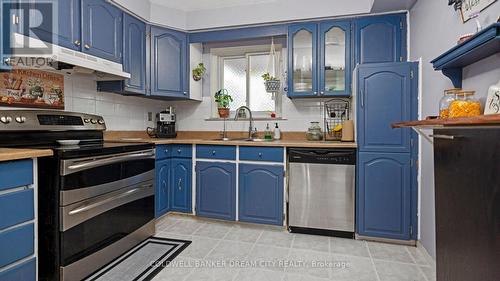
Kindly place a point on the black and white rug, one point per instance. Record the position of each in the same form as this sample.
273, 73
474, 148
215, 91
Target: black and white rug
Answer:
142, 262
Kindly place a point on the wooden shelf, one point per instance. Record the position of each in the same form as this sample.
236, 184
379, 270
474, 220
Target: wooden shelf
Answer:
482, 45
483, 120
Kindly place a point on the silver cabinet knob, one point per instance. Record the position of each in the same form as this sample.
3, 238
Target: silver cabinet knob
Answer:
179, 151
87, 46
77, 43
260, 154
213, 152
166, 150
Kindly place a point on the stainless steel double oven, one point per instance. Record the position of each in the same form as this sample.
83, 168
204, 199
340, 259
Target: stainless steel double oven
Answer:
95, 199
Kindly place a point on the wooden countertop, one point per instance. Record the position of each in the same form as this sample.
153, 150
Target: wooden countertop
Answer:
291, 139
8, 154
483, 120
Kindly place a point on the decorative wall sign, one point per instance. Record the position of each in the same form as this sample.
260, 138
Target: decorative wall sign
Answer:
470, 8
492, 105
32, 88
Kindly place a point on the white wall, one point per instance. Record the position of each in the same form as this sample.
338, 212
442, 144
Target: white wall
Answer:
120, 112
435, 28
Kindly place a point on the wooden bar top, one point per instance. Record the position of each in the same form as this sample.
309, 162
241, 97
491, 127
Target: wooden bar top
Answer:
483, 120
9, 154
212, 138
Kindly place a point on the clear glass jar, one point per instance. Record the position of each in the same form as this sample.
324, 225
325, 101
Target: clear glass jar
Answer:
314, 133
444, 103
465, 105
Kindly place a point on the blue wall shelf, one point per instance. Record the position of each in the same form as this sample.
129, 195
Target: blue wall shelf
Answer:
482, 45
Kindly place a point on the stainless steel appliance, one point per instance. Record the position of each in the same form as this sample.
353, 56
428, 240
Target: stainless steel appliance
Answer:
321, 192
95, 199
165, 124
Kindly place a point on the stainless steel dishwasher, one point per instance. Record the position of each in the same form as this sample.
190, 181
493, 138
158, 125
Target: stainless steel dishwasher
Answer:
321, 191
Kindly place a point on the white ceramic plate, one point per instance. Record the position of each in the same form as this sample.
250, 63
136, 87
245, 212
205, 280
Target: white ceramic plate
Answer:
68, 142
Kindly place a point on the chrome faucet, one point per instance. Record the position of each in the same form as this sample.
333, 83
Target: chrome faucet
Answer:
251, 131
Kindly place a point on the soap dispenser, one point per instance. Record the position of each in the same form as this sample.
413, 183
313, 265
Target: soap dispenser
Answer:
268, 135
277, 132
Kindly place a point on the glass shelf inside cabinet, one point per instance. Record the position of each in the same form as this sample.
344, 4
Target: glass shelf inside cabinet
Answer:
302, 61
335, 57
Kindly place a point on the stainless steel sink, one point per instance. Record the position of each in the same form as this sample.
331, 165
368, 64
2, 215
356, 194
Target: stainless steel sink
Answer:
240, 139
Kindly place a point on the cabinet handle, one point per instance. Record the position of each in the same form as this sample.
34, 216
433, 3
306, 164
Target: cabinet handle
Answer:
166, 150
321, 93
260, 154
444, 137
77, 43
87, 46
213, 152
315, 93
180, 184
179, 151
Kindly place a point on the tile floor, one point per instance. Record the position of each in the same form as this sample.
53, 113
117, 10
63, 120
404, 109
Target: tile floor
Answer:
232, 251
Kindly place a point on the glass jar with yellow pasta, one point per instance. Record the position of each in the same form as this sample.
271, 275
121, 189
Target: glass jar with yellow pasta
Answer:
444, 103
465, 105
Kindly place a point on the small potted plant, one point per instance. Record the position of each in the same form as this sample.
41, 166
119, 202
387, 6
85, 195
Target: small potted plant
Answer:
222, 98
199, 71
272, 83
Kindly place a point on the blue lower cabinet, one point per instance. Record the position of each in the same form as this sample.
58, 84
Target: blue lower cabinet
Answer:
16, 173
384, 195
16, 207
16, 244
261, 193
25, 271
163, 179
216, 190
181, 187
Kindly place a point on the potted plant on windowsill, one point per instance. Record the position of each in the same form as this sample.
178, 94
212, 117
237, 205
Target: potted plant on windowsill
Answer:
223, 99
199, 71
272, 83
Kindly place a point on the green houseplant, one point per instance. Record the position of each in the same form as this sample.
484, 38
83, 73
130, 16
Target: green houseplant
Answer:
272, 83
199, 71
223, 99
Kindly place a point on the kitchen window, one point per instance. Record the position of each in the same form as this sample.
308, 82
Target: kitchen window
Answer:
241, 73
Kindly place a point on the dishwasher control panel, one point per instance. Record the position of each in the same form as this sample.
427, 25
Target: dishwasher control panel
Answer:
322, 156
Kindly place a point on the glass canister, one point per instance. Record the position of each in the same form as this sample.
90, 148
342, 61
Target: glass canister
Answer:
314, 133
465, 105
444, 103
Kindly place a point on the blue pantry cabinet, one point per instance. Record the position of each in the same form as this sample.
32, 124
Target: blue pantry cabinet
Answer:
181, 187
386, 177
102, 30
380, 39
261, 193
216, 190
169, 63
134, 59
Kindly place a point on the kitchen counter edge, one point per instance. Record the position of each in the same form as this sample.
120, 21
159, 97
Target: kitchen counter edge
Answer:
10, 154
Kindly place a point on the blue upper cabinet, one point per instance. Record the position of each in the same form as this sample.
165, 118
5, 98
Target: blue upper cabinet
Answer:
134, 54
381, 39
385, 96
182, 174
169, 63
261, 193
68, 20
216, 190
335, 58
302, 60
384, 195
163, 179
102, 30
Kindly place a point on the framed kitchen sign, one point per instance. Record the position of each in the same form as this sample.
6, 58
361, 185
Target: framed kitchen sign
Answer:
32, 88
470, 8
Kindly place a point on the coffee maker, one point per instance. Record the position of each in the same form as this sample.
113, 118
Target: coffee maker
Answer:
165, 124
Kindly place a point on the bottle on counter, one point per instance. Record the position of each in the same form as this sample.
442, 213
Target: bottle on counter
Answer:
277, 132
268, 135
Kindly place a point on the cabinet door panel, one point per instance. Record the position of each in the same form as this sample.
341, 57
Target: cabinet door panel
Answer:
302, 60
384, 97
181, 185
163, 179
134, 54
168, 63
102, 30
216, 190
380, 39
261, 194
335, 58
384, 195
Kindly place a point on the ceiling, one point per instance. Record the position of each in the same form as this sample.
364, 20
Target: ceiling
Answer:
199, 5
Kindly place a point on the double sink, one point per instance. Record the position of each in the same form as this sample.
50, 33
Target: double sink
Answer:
242, 139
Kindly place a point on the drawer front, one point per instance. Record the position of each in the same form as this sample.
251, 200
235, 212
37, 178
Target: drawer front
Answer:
163, 151
24, 271
226, 152
16, 244
16, 173
253, 153
182, 150
16, 208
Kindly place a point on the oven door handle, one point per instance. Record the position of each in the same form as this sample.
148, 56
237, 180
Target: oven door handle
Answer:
88, 164
103, 202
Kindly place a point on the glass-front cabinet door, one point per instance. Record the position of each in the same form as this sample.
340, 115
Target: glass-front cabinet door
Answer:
334, 58
302, 60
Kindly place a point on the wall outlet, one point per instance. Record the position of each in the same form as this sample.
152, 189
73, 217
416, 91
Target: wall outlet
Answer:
150, 116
